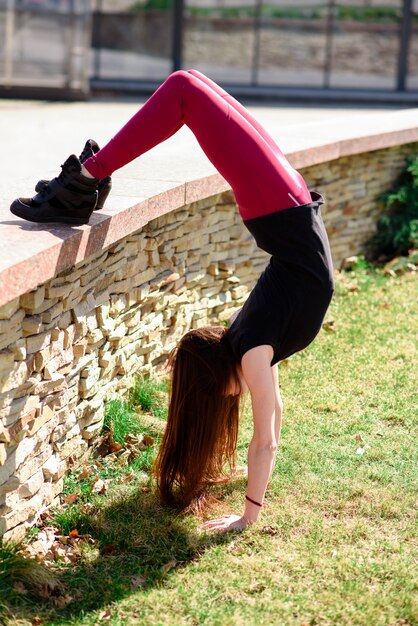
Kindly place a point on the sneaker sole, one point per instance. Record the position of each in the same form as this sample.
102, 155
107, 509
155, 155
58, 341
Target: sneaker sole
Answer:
24, 211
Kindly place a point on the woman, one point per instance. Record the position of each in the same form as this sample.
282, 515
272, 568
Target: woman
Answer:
212, 367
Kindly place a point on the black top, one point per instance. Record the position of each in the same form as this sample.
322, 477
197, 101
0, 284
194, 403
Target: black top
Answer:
288, 304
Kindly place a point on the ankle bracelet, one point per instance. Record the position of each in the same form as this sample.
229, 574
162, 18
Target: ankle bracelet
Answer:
253, 501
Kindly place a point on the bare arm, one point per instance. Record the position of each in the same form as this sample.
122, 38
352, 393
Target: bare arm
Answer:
262, 381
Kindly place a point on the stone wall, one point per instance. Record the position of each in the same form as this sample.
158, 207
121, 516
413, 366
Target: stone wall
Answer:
75, 340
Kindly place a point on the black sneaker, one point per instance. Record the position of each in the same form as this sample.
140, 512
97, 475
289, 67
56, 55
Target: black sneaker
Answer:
91, 147
69, 198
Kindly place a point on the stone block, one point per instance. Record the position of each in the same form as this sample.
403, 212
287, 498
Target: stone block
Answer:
16, 534
56, 384
64, 321
9, 309
74, 447
15, 377
79, 349
137, 265
8, 501
33, 299
68, 429
9, 337
31, 325
118, 332
120, 286
52, 313
46, 414
24, 512
10, 484
82, 308
12, 410
34, 463
95, 336
50, 467
90, 276
32, 485
153, 258
118, 303
14, 432
91, 321
19, 350
6, 362
56, 289
92, 431
87, 389
239, 291
36, 343
3, 454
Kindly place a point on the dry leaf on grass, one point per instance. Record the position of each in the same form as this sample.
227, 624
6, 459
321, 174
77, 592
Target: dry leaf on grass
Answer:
70, 499
147, 441
85, 473
65, 552
168, 566
329, 325
115, 447
131, 447
138, 581
105, 615
62, 601
108, 548
100, 486
43, 542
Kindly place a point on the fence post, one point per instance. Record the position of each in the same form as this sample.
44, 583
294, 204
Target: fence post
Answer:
8, 44
405, 36
178, 19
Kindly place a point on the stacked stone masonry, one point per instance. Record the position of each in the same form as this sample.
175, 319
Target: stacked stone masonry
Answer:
76, 340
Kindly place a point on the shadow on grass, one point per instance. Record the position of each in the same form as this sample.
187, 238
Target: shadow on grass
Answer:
137, 545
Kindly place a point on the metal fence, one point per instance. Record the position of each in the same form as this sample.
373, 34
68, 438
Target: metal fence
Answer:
257, 46
45, 45
357, 45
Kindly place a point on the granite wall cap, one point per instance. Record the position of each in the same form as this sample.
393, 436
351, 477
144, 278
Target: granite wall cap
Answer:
31, 253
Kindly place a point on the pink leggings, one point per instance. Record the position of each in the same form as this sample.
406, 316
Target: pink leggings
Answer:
238, 146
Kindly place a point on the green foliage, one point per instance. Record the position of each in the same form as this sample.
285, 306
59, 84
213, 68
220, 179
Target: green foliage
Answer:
342, 12
397, 227
16, 567
150, 396
71, 518
153, 5
121, 418
335, 540
368, 14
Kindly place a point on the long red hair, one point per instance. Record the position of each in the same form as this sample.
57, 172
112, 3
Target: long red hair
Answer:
202, 426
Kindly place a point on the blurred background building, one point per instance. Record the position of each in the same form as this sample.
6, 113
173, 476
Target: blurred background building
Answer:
359, 49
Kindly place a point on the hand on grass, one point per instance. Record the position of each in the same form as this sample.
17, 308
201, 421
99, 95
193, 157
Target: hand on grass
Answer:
226, 523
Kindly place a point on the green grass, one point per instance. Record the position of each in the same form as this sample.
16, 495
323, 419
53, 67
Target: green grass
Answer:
335, 542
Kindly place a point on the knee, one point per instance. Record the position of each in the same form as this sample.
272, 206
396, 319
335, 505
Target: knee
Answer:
179, 76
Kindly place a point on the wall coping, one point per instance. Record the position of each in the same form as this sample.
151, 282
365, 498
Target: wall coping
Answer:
31, 254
